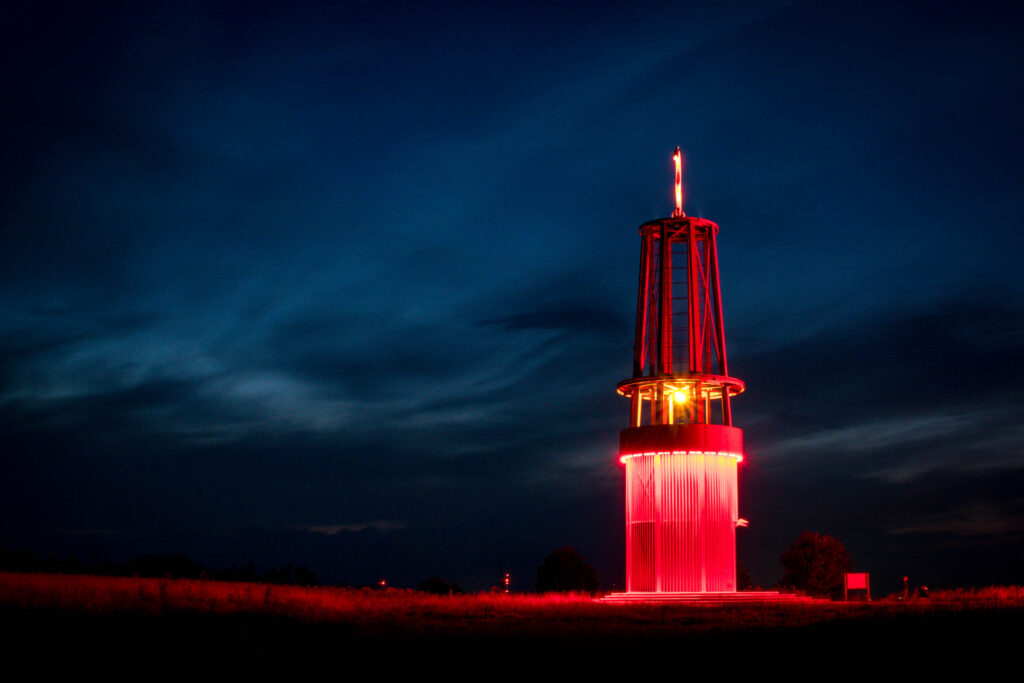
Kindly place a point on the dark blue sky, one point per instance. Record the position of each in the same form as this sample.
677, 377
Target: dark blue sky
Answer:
351, 285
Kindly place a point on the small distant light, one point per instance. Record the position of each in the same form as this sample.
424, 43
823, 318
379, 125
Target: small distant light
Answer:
742, 522
382, 583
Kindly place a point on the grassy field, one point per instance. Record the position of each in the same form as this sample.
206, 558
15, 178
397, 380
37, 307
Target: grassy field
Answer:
141, 614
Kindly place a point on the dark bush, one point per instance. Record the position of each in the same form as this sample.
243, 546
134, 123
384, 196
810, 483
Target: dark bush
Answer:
815, 564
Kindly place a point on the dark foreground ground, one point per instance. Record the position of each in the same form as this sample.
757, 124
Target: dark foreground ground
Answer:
149, 626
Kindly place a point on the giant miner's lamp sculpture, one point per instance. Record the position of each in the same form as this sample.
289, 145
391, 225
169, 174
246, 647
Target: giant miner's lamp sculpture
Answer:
681, 449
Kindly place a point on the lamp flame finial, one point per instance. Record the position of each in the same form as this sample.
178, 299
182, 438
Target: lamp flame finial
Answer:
678, 158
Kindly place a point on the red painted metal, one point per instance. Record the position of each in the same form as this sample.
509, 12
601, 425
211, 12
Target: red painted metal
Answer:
681, 462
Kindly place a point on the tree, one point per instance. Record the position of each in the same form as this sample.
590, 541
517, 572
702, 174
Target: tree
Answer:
565, 571
815, 564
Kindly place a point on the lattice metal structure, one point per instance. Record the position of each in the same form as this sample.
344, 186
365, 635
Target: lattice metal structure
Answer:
681, 449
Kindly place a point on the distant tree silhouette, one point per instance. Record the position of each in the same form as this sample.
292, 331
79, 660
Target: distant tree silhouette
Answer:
176, 566
290, 575
565, 571
20, 561
815, 564
304, 576
247, 573
439, 586
172, 566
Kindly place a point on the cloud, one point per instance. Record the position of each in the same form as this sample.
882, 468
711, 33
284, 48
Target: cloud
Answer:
981, 521
379, 525
98, 533
904, 389
905, 448
895, 434
570, 319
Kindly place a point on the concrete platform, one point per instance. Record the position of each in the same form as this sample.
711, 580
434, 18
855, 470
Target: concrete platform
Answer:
712, 598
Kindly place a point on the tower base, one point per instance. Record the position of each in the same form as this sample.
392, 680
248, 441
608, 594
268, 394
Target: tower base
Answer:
681, 508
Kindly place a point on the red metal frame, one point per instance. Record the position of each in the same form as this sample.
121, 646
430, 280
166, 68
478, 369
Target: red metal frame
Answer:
680, 453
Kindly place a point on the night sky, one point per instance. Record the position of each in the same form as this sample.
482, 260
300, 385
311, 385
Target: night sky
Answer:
351, 285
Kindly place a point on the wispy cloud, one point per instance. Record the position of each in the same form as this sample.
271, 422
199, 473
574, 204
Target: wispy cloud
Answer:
379, 525
99, 533
981, 520
895, 434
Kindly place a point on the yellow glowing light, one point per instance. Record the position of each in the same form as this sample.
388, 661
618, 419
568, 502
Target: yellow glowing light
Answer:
678, 158
681, 396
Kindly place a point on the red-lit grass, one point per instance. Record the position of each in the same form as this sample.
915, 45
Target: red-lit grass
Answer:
990, 596
412, 614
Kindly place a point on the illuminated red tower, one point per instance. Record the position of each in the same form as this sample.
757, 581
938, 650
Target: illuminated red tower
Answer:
680, 450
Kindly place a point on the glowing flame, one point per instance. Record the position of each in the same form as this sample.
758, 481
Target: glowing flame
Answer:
678, 158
